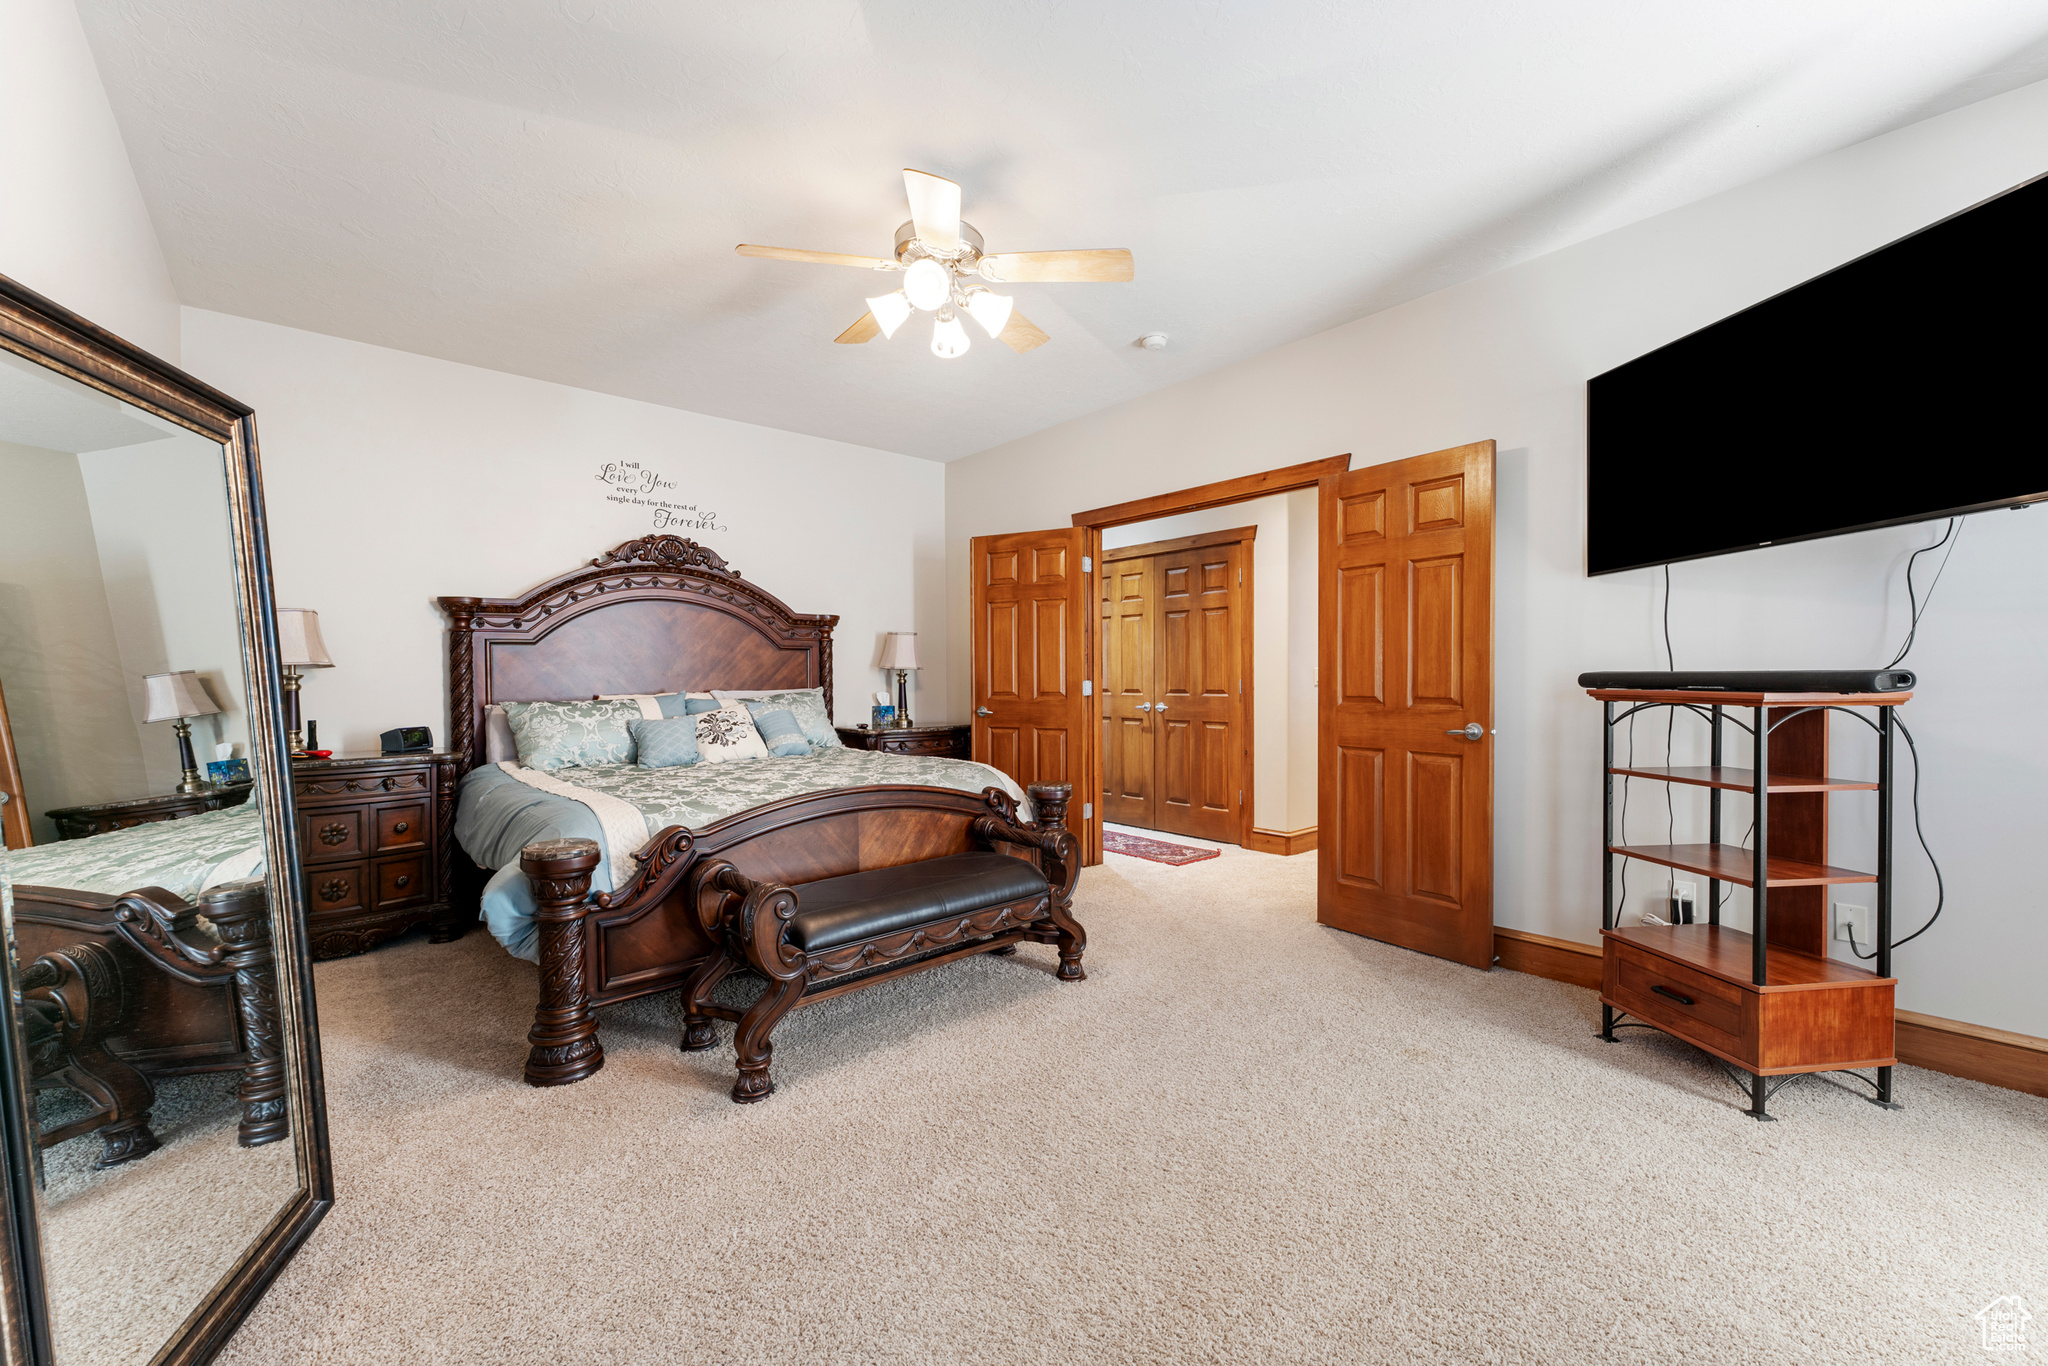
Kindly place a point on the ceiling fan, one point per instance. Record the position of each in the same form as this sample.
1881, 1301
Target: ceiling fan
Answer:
942, 263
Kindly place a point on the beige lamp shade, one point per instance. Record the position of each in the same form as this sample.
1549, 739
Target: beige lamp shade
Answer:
298, 639
175, 696
899, 650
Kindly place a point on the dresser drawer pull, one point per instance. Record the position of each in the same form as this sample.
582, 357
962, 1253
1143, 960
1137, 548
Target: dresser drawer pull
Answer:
333, 834
334, 889
401, 827
1662, 990
390, 783
404, 881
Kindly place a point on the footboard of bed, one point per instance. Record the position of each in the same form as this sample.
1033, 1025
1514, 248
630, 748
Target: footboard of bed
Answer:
651, 935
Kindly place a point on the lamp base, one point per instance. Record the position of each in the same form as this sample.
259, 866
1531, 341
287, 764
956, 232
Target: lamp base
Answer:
192, 783
902, 719
294, 741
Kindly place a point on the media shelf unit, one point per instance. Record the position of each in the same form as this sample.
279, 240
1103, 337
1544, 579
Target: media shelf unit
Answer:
1771, 1003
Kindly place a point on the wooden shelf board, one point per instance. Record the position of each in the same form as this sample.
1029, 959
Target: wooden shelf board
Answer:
1724, 953
1733, 863
1709, 697
1744, 779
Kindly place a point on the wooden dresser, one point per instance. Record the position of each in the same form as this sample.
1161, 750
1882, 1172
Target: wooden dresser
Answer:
78, 822
938, 742
375, 837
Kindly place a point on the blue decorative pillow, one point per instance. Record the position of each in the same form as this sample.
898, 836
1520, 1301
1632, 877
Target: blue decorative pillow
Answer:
668, 743
785, 738
807, 705
572, 734
694, 704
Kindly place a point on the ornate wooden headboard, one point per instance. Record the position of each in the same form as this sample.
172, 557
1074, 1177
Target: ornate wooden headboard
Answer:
660, 614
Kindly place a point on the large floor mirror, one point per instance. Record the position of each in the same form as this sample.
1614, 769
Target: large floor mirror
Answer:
164, 1123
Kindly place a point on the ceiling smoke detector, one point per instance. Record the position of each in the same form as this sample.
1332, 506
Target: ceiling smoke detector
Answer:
1153, 341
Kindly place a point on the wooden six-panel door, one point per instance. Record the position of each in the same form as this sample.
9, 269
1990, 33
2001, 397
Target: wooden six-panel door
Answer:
1030, 597
1406, 704
1176, 645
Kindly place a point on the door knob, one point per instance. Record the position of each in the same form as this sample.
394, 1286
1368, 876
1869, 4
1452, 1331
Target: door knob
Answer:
1160, 707
1474, 731
983, 711
1144, 706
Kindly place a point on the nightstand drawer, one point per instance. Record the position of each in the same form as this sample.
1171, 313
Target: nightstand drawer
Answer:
334, 889
402, 826
330, 835
325, 788
940, 746
401, 881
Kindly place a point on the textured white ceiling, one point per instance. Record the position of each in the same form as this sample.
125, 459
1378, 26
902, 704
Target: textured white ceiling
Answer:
554, 187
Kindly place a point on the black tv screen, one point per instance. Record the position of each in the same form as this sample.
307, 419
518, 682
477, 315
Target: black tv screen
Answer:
1906, 385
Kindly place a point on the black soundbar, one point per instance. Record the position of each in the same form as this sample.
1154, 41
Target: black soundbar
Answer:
1751, 680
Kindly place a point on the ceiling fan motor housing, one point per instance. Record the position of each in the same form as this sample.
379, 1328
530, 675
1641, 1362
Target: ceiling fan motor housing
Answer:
968, 255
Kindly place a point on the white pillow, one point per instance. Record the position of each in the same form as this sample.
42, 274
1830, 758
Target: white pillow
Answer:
728, 734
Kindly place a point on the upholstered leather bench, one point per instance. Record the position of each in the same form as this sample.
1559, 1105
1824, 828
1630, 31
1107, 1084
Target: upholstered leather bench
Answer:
818, 939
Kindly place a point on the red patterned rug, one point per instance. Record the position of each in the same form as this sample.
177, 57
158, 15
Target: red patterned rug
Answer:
1159, 851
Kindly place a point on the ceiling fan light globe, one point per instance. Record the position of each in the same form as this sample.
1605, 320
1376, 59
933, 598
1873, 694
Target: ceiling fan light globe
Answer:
949, 339
890, 312
992, 311
927, 284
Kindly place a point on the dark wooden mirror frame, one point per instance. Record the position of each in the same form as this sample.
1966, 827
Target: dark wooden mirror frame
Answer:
57, 339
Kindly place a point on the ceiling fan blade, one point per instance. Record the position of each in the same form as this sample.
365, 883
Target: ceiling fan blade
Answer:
1095, 266
1021, 334
934, 209
867, 329
821, 258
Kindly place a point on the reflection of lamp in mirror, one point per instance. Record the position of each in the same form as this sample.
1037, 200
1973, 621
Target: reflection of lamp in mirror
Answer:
179, 697
899, 652
298, 647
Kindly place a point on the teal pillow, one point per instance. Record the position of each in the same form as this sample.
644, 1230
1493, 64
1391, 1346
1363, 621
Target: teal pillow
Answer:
554, 735
808, 706
779, 730
668, 743
694, 705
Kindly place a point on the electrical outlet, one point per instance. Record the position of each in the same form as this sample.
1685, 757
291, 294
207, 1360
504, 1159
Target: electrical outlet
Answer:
1857, 919
1681, 908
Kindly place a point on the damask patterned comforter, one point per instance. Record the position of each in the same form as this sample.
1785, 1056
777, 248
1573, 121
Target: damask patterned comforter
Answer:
183, 856
497, 815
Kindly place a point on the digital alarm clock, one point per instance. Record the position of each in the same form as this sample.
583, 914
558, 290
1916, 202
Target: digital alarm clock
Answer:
408, 740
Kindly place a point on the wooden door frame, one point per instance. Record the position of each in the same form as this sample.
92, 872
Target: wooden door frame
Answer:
1247, 727
1310, 474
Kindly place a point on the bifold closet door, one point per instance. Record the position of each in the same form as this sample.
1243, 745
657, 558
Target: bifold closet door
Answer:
1406, 704
1198, 708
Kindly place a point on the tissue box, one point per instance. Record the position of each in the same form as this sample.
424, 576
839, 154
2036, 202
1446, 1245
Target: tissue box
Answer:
883, 717
225, 771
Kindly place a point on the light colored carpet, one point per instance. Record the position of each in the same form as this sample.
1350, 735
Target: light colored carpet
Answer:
1244, 1138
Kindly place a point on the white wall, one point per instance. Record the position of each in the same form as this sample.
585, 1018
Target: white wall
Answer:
1280, 579
1507, 356
391, 479
73, 225
60, 666
160, 520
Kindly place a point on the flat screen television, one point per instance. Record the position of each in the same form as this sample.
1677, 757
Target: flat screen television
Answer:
1909, 384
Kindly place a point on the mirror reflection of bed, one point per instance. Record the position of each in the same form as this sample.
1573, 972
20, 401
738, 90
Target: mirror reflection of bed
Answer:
142, 977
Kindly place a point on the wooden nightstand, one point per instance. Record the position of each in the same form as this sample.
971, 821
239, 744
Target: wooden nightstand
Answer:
77, 822
938, 742
375, 836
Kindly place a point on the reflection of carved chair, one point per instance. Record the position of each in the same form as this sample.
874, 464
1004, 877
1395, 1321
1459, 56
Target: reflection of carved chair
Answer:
169, 988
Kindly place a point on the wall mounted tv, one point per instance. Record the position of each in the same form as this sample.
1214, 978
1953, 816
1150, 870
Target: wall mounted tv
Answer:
1904, 386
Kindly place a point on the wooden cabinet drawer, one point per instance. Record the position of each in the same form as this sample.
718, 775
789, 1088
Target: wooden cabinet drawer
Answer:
334, 889
401, 881
401, 826
1688, 1003
319, 788
330, 835
940, 746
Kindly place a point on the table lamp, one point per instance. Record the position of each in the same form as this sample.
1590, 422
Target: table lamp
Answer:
298, 647
899, 652
178, 697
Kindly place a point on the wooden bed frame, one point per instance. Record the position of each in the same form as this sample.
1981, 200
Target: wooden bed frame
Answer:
664, 614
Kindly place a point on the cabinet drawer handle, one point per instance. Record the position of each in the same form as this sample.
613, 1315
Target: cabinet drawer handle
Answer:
333, 834
401, 827
1663, 990
390, 783
334, 889
404, 881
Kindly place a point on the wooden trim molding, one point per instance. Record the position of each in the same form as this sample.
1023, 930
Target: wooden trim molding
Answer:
1234, 536
1283, 480
1281, 841
1997, 1057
